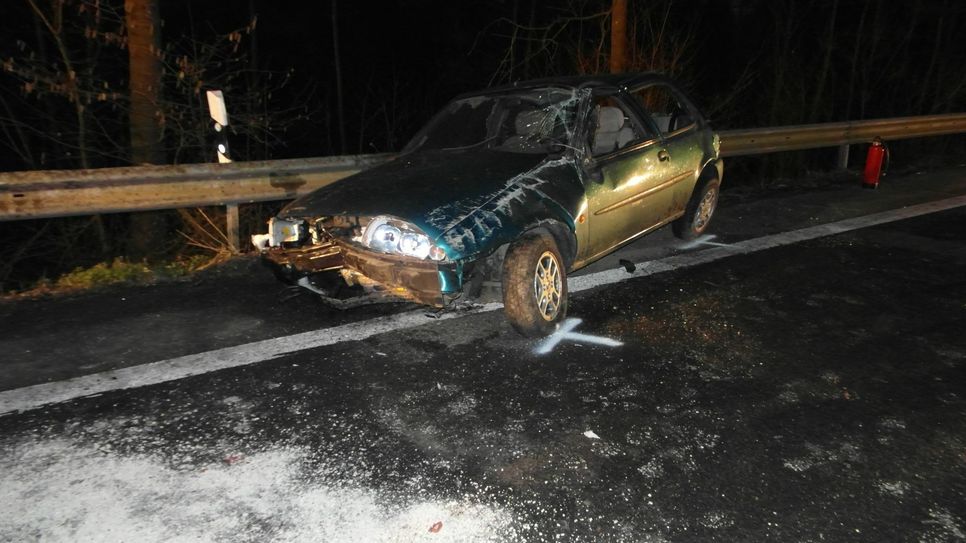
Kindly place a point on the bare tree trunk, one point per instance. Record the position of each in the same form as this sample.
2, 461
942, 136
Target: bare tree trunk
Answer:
513, 40
618, 36
252, 70
870, 68
55, 26
855, 62
528, 51
826, 63
143, 22
144, 45
921, 108
338, 77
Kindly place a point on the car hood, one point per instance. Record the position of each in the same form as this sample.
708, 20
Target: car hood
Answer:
434, 190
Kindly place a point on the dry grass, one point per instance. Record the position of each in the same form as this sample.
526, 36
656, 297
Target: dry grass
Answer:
117, 272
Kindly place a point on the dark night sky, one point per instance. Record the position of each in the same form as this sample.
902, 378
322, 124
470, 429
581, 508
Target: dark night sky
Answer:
746, 62
430, 50
423, 47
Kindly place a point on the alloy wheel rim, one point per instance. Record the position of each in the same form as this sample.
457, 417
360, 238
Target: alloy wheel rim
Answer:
705, 209
547, 285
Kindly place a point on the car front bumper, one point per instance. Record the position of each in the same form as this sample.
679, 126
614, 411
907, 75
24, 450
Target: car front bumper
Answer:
424, 281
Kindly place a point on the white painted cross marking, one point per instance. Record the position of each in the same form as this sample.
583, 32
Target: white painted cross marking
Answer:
566, 332
703, 240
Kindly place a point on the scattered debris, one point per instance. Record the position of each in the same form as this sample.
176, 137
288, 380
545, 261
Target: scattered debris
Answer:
591, 435
628, 265
261, 241
292, 291
233, 459
307, 285
466, 306
435, 528
65, 489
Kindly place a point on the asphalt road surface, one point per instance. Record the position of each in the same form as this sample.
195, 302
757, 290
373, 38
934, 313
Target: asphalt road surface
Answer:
813, 391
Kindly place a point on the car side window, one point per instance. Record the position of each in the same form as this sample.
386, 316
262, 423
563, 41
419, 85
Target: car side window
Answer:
613, 127
664, 108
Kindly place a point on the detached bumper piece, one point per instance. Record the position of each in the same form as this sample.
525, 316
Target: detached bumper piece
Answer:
291, 264
419, 280
405, 278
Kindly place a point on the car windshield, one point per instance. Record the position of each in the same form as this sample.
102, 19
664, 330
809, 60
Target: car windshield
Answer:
536, 121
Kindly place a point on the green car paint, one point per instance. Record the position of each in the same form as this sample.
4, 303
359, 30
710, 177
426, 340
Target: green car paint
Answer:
484, 190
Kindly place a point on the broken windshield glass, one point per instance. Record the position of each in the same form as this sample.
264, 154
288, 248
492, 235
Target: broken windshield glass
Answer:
536, 121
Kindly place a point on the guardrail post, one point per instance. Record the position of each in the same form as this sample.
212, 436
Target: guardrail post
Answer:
843, 161
232, 230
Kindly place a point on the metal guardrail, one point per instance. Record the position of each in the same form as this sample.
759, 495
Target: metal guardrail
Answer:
755, 141
63, 193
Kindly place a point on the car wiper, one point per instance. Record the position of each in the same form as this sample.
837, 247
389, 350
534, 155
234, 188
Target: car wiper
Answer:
554, 143
489, 139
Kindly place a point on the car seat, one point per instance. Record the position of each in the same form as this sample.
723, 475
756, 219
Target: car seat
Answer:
528, 126
611, 134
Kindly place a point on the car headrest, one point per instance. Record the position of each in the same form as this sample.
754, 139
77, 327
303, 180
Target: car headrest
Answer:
609, 119
529, 122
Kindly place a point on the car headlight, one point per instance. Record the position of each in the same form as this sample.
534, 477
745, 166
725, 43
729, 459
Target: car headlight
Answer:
285, 231
415, 245
389, 235
384, 238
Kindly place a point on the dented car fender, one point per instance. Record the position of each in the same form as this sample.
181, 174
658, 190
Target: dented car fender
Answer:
526, 202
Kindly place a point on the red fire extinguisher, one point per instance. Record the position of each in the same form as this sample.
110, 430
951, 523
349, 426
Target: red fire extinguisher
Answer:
878, 153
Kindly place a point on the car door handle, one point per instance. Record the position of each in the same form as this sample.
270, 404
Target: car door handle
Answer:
663, 155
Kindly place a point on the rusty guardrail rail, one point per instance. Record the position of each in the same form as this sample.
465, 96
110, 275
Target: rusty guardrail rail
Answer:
63, 193
755, 141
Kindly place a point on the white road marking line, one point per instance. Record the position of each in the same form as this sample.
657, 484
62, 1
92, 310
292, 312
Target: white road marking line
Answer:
606, 277
32, 397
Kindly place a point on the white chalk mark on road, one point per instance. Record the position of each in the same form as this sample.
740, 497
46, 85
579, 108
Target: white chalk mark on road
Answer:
565, 332
32, 397
703, 240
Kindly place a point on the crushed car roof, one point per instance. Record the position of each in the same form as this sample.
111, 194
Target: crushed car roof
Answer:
577, 81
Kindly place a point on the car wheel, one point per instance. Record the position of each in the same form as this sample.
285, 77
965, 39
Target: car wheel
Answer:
699, 211
534, 285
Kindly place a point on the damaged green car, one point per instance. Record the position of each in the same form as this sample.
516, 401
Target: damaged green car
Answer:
505, 192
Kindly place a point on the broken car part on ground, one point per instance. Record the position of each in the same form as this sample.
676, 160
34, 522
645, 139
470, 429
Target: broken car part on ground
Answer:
504, 193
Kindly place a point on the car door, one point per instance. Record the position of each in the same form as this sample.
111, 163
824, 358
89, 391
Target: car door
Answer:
628, 172
674, 120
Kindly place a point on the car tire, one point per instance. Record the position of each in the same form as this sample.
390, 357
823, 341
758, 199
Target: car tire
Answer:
534, 285
699, 211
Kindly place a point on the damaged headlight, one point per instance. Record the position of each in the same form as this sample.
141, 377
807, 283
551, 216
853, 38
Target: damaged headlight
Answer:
389, 235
